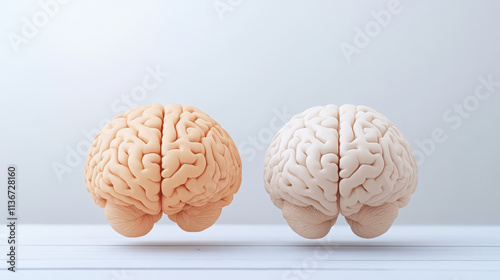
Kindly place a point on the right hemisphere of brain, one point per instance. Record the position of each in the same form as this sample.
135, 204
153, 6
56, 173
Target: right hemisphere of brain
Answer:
350, 160
153, 159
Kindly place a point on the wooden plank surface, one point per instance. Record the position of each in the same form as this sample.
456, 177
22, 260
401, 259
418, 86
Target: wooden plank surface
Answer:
254, 252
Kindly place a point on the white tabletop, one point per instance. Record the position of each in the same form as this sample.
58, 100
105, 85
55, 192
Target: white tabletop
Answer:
253, 252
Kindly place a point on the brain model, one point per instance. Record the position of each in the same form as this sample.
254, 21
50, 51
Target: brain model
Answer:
350, 160
153, 159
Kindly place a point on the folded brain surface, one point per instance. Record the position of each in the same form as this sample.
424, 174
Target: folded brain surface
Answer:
301, 173
153, 159
349, 160
201, 168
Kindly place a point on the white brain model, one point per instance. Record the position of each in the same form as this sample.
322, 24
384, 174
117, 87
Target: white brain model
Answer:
349, 160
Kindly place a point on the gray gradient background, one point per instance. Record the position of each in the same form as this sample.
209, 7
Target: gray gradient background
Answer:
263, 57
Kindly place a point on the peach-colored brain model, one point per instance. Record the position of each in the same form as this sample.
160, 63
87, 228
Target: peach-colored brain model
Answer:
350, 160
153, 159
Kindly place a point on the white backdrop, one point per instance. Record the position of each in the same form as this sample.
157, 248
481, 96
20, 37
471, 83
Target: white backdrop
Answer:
432, 67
